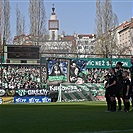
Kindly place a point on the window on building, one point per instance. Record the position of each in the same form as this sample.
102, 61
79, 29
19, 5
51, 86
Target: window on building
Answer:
53, 35
23, 61
86, 42
86, 47
79, 47
92, 47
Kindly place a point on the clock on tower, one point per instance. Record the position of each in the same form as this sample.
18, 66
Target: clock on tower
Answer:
53, 25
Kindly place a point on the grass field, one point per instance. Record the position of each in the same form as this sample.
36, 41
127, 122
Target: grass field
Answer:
81, 117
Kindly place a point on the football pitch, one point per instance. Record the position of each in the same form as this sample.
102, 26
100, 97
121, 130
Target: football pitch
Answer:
73, 117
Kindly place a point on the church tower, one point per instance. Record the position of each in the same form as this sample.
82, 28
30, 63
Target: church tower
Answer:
53, 26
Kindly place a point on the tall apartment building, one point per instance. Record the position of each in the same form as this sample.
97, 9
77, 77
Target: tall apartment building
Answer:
119, 41
125, 37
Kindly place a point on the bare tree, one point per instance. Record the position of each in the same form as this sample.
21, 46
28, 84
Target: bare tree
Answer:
6, 20
99, 31
106, 22
23, 24
37, 18
20, 22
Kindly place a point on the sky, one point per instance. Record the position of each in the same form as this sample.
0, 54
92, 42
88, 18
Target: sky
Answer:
75, 16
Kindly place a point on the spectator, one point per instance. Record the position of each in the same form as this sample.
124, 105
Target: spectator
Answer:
16, 77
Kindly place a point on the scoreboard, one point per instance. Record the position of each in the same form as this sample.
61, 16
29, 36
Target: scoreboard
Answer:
22, 52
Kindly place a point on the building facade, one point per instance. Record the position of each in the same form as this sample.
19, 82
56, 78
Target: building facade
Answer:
85, 45
125, 35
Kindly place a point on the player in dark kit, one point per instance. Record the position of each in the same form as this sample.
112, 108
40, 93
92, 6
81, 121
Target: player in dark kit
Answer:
112, 86
131, 73
107, 93
126, 90
110, 90
119, 81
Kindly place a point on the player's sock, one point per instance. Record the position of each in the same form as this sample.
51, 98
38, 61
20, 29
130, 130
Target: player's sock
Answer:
128, 106
114, 105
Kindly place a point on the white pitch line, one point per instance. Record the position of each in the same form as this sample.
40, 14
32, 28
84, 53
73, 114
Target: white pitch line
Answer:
113, 131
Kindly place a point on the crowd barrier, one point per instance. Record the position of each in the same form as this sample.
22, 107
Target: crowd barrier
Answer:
65, 92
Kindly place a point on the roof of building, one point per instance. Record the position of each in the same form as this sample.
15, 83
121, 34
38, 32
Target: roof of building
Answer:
68, 38
86, 35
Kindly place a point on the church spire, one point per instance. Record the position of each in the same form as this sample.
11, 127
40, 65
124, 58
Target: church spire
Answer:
53, 25
53, 9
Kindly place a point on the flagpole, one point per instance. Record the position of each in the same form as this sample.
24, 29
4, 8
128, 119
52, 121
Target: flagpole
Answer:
59, 94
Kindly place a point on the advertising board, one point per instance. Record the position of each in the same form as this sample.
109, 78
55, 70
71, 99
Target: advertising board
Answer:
32, 92
2, 92
6, 100
34, 99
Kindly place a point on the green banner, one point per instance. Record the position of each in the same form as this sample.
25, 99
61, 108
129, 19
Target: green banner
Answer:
43, 60
106, 62
81, 92
57, 78
99, 62
1, 59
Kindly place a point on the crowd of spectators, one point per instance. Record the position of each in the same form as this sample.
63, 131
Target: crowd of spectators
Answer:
26, 77
96, 75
